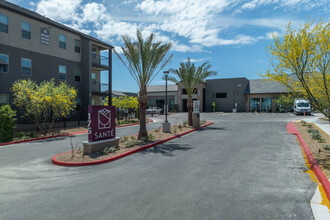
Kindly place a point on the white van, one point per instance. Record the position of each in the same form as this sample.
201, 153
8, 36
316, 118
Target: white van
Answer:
301, 106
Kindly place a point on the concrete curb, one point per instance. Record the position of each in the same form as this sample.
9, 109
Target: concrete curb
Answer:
291, 128
62, 135
60, 163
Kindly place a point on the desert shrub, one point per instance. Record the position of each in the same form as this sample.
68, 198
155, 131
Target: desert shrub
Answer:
185, 124
109, 150
316, 136
203, 122
174, 131
309, 126
19, 134
124, 139
30, 134
132, 143
132, 138
7, 123
312, 130
304, 123
180, 126
151, 137
326, 147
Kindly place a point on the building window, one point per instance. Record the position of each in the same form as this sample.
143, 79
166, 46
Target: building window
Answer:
77, 46
77, 74
26, 67
4, 99
26, 30
219, 95
62, 41
62, 72
184, 91
4, 63
93, 53
93, 79
3, 23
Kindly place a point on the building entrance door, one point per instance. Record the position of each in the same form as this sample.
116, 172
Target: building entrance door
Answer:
254, 104
160, 103
184, 105
266, 105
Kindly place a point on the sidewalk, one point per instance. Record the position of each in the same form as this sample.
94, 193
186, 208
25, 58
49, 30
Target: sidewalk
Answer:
324, 125
320, 212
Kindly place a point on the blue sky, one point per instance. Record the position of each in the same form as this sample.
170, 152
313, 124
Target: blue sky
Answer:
232, 35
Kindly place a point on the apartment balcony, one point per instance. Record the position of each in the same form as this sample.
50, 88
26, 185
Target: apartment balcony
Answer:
99, 88
100, 62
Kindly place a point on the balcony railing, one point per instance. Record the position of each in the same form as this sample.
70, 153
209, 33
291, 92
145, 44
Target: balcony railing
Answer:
100, 60
99, 87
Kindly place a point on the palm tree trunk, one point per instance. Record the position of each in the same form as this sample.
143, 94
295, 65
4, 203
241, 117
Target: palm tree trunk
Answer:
143, 98
190, 110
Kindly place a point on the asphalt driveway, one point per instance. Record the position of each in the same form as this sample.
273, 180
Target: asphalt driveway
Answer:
245, 166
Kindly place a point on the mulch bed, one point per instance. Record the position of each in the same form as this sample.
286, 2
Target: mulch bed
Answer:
321, 155
157, 134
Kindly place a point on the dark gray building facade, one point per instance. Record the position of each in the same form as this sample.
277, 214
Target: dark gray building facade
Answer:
225, 93
37, 48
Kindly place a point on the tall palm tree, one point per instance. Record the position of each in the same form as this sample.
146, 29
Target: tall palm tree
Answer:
189, 77
144, 59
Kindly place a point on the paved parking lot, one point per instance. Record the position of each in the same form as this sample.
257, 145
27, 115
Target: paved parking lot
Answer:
245, 166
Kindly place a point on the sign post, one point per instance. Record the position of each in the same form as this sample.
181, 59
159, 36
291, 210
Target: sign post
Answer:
101, 129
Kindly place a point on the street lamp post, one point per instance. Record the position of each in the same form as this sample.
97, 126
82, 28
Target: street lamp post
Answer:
166, 109
166, 124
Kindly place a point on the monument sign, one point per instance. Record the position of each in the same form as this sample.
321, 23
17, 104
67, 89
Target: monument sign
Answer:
101, 123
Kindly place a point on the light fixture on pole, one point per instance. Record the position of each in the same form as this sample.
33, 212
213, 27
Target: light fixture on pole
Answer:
166, 124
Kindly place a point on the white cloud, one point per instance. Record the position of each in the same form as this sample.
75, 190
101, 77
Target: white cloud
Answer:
286, 4
197, 60
93, 12
59, 10
191, 25
194, 20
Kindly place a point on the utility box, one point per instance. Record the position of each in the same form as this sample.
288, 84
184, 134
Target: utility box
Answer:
196, 120
196, 106
195, 115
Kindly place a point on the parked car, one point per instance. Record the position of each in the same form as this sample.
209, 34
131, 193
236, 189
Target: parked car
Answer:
301, 106
154, 110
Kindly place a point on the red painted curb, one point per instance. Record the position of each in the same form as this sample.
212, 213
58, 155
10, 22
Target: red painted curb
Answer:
314, 165
61, 135
57, 162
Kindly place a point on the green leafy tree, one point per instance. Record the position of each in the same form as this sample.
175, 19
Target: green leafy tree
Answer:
301, 61
144, 59
124, 102
285, 102
44, 103
189, 77
7, 123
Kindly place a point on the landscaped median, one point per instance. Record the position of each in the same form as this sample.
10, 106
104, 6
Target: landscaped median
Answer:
314, 144
127, 146
63, 133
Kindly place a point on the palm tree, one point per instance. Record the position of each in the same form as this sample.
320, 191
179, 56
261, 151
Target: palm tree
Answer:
144, 59
189, 77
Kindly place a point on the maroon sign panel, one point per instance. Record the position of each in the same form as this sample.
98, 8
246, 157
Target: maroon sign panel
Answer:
101, 122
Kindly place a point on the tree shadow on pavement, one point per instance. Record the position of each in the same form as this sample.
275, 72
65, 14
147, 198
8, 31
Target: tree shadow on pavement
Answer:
166, 149
212, 128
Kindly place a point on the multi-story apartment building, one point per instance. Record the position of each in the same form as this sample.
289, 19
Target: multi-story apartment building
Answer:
36, 47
